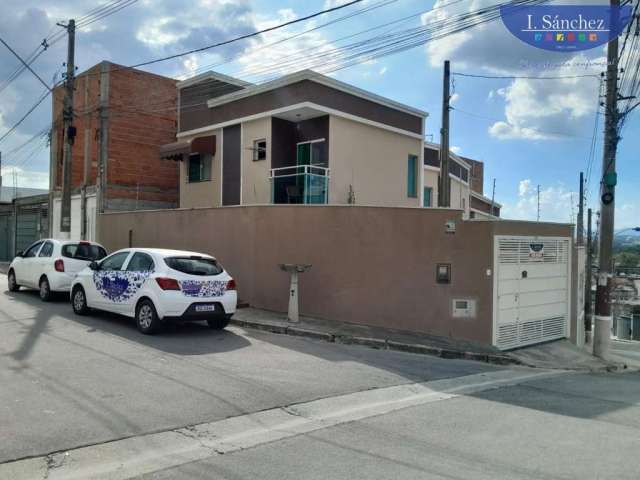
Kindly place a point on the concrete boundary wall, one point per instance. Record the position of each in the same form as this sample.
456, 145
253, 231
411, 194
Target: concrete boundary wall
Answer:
371, 265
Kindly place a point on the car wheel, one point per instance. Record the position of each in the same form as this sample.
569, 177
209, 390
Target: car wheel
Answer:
219, 323
79, 301
45, 289
11, 280
147, 319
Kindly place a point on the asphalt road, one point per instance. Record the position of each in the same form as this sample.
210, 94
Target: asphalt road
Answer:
68, 381
567, 427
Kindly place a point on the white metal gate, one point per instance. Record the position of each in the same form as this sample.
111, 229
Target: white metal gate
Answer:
531, 298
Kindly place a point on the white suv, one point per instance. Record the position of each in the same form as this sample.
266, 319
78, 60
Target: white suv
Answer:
156, 286
51, 265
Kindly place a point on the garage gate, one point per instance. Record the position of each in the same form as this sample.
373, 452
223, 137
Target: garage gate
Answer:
531, 290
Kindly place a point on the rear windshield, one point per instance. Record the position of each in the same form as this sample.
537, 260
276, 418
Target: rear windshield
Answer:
194, 265
83, 251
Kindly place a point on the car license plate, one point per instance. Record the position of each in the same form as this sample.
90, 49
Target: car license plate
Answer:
205, 308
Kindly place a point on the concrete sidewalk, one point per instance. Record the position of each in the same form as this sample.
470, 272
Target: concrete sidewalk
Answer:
374, 337
560, 354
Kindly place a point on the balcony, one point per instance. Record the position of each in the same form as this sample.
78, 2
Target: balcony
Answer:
301, 184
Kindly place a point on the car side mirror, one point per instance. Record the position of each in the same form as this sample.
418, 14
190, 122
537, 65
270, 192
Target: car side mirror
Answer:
19, 253
94, 266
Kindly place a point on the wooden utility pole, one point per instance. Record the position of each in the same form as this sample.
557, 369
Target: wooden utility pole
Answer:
587, 273
538, 203
69, 133
444, 187
580, 221
603, 318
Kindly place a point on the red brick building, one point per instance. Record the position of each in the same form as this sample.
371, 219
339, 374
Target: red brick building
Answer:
122, 116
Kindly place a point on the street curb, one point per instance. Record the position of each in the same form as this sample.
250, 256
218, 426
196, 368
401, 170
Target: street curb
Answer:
378, 343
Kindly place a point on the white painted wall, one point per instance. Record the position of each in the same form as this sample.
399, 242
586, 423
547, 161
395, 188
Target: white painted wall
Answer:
75, 218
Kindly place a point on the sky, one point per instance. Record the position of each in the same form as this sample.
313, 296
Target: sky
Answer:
527, 132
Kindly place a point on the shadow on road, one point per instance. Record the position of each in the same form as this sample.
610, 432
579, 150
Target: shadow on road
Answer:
178, 339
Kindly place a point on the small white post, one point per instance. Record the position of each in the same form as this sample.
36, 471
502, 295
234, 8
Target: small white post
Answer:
293, 298
294, 269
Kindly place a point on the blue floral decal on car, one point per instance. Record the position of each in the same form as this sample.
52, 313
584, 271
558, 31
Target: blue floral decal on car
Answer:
119, 286
209, 288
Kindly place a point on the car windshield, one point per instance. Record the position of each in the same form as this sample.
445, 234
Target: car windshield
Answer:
83, 251
194, 265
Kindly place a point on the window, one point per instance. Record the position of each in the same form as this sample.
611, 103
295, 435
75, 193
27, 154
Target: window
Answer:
428, 197
199, 168
47, 249
412, 177
259, 150
33, 250
194, 265
83, 251
140, 262
114, 262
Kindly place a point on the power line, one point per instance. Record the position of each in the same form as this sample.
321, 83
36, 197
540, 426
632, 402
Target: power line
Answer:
24, 63
17, 124
515, 77
249, 35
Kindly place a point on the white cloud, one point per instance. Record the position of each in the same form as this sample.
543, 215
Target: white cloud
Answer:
556, 203
534, 109
382, 71
627, 215
455, 149
454, 98
25, 178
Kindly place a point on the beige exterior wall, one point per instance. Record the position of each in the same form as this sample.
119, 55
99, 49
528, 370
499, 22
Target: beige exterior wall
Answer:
460, 195
431, 180
256, 188
203, 194
373, 161
459, 190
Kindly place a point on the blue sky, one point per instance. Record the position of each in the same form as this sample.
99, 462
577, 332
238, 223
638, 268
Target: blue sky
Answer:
527, 132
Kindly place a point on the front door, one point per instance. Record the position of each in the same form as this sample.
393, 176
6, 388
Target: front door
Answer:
311, 182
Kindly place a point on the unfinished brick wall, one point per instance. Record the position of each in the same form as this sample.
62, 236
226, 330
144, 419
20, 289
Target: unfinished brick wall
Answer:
141, 117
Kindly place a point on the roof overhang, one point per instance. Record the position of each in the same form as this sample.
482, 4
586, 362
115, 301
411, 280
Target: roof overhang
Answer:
318, 78
435, 146
210, 75
181, 150
485, 199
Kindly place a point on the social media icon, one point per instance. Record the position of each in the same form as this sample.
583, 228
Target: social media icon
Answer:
537, 37
548, 37
559, 37
582, 37
593, 37
571, 37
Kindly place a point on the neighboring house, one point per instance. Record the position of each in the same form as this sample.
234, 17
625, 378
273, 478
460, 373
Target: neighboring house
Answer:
467, 178
23, 220
7, 194
304, 139
121, 117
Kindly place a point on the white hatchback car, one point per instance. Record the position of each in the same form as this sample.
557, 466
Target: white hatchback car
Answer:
156, 286
51, 265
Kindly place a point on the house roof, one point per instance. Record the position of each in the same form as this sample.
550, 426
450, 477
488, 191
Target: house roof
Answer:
485, 199
318, 78
211, 75
7, 194
457, 158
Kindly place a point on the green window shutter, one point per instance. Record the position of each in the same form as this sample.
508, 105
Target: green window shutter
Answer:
427, 196
412, 176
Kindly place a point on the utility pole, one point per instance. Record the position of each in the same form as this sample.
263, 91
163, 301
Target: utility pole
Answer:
603, 317
580, 221
538, 202
587, 281
444, 187
493, 196
69, 133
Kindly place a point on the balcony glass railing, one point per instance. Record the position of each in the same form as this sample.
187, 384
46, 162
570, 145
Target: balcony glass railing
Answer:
304, 184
